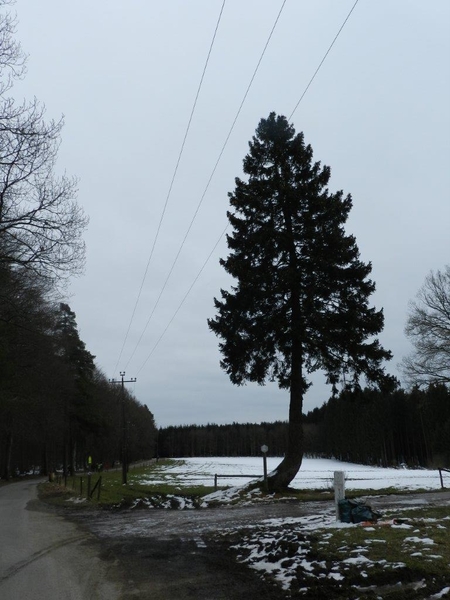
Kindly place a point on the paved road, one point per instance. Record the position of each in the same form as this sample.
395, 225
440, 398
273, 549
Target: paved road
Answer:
45, 557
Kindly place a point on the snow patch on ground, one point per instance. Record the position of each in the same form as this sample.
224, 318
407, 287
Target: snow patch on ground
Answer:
76, 500
441, 594
282, 550
417, 540
168, 502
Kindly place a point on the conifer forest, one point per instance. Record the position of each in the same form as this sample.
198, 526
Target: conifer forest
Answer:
364, 426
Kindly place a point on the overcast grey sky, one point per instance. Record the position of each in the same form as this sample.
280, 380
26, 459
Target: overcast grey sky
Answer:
125, 75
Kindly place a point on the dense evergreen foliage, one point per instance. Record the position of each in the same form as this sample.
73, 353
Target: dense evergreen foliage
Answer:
369, 427
301, 298
56, 408
364, 426
222, 440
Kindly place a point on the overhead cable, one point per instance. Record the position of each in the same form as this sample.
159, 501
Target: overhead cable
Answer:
224, 231
209, 182
323, 59
183, 300
170, 187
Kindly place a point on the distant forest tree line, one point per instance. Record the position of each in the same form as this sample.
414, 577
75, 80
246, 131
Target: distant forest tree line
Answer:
362, 426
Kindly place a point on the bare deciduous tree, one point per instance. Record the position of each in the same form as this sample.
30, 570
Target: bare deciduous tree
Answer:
41, 224
12, 58
428, 327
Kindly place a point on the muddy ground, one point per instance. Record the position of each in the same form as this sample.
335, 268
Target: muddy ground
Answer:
172, 555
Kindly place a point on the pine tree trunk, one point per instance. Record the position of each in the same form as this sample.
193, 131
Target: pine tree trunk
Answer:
73, 453
44, 467
288, 468
286, 471
282, 476
65, 456
9, 444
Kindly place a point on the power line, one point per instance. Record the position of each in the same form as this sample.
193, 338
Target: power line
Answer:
171, 185
224, 231
323, 59
209, 182
183, 300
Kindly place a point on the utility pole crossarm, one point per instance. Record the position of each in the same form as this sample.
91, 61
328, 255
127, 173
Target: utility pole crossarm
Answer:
122, 380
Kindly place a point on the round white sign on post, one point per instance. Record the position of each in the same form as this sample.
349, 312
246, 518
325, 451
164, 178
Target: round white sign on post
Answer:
264, 448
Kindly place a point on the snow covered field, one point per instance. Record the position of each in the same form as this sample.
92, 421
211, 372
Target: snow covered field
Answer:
315, 474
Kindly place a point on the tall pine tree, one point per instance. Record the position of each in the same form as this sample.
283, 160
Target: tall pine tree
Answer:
79, 408
301, 301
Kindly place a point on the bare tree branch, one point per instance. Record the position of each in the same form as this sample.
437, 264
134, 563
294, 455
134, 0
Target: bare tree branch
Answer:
428, 327
41, 225
12, 58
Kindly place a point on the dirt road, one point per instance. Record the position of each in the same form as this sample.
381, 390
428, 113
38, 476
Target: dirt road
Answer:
177, 555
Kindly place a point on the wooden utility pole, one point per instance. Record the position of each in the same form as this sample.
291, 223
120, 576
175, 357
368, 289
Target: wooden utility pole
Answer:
124, 424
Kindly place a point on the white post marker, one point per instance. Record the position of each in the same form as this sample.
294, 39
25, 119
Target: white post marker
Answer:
264, 450
339, 489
